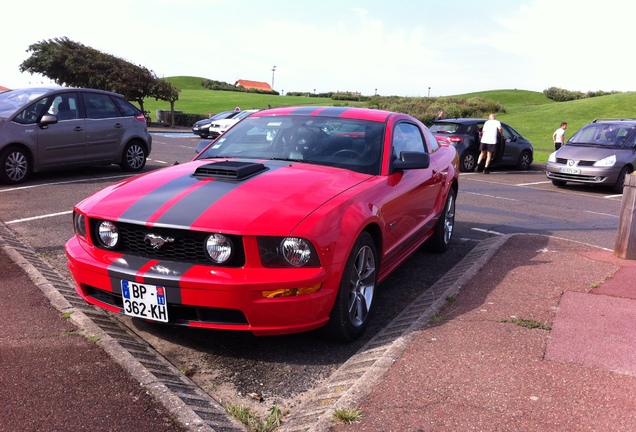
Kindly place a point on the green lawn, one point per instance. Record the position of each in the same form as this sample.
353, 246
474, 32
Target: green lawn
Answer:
530, 113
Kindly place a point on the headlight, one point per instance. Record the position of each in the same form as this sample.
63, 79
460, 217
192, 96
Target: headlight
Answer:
108, 234
287, 252
79, 224
606, 162
296, 251
219, 248
552, 157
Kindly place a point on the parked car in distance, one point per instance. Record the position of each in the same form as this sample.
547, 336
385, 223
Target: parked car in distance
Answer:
464, 134
218, 127
276, 227
600, 153
59, 128
202, 127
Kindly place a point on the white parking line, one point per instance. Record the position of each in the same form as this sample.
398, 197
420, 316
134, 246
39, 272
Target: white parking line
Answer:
65, 182
600, 214
39, 217
490, 196
487, 231
158, 161
535, 183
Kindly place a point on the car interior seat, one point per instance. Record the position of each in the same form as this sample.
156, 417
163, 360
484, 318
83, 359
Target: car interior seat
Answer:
64, 112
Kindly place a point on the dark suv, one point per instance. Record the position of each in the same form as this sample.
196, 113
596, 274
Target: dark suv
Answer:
58, 128
464, 134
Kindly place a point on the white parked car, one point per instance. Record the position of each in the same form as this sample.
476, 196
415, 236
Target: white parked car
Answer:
218, 127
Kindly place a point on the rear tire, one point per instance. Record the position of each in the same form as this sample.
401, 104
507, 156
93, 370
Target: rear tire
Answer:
443, 233
467, 161
352, 309
15, 165
134, 157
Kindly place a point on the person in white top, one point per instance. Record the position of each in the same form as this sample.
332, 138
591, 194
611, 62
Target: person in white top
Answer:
488, 145
558, 137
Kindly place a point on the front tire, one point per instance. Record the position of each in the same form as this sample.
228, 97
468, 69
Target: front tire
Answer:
350, 314
134, 157
620, 181
15, 165
559, 183
441, 238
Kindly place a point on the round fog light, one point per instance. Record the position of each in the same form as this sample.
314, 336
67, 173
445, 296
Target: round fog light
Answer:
219, 248
108, 234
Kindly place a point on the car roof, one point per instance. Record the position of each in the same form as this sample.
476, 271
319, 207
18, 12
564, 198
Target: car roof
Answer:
461, 120
328, 111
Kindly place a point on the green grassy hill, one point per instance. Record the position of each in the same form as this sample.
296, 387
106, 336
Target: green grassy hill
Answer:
530, 113
195, 99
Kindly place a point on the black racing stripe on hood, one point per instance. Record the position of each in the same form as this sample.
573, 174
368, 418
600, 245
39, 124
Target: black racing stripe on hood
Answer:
188, 209
148, 205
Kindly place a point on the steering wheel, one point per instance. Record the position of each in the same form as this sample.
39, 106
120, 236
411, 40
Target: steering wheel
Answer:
351, 154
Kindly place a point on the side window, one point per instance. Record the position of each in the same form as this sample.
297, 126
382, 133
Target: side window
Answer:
65, 107
99, 106
32, 113
127, 109
431, 140
407, 137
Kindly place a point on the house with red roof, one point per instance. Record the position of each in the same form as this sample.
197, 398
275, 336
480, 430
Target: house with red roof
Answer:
258, 85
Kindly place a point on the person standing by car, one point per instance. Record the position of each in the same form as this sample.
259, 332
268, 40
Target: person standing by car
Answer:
440, 115
489, 136
558, 137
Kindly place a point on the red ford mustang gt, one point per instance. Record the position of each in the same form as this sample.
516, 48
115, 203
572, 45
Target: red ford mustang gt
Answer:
286, 223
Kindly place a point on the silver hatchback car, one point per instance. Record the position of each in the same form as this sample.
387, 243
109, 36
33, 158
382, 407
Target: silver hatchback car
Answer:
52, 128
600, 153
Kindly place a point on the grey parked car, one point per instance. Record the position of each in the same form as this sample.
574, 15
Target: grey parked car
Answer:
52, 128
600, 153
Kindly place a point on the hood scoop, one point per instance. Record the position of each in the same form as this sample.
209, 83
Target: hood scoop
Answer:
229, 170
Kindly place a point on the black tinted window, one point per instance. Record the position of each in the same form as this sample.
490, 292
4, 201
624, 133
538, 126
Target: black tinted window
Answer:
126, 108
99, 106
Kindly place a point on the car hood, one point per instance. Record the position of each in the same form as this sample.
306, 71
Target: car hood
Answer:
587, 152
201, 195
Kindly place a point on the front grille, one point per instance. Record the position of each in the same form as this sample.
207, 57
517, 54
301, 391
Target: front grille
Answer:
178, 314
188, 246
580, 163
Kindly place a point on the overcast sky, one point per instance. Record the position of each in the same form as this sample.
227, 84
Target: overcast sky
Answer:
399, 47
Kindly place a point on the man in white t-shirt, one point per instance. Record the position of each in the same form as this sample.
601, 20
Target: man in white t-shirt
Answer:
558, 137
488, 144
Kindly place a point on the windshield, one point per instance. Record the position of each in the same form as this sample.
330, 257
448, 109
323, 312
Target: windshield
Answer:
345, 143
12, 100
603, 134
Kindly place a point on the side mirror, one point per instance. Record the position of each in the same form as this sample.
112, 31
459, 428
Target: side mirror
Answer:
46, 120
412, 160
202, 145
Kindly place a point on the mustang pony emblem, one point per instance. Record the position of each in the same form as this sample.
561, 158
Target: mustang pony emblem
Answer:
157, 241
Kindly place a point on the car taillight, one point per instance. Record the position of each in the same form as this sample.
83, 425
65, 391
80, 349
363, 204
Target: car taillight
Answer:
141, 117
448, 140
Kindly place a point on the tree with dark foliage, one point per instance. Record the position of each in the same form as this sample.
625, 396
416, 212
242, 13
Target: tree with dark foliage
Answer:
73, 64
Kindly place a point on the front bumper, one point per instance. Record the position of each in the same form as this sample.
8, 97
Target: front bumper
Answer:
583, 174
207, 296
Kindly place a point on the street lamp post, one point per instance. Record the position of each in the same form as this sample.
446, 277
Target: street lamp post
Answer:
273, 70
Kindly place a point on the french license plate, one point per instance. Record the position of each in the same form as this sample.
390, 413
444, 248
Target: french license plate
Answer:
569, 170
144, 301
